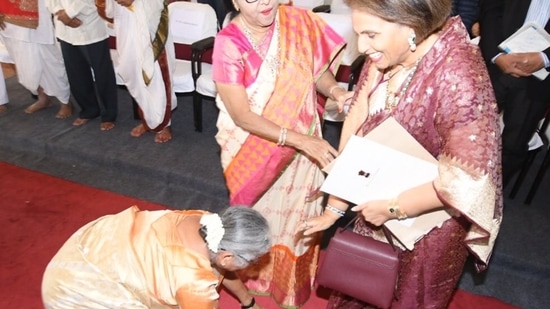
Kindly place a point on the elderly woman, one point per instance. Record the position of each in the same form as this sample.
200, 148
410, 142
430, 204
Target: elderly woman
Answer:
269, 63
156, 259
423, 71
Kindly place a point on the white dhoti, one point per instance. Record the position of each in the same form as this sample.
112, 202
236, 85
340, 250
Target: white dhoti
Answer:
135, 30
40, 65
37, 56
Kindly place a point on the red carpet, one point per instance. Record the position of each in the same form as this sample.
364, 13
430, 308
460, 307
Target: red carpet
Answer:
39, 212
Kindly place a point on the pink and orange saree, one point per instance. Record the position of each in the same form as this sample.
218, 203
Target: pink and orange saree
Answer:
277, 181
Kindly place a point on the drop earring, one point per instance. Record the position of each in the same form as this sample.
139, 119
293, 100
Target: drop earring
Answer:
412, 41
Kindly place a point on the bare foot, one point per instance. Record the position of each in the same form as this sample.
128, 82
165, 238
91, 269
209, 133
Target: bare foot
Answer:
106, 126
164, 135
138, 131
65, 111
38, 105
3, 109
80, 121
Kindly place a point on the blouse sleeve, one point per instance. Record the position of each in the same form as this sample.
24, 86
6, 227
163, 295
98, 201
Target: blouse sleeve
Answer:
227, 64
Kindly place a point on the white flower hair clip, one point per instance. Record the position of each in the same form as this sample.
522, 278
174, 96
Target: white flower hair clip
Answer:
214, 231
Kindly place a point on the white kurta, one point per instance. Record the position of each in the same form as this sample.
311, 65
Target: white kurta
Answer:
135, 29
37, 56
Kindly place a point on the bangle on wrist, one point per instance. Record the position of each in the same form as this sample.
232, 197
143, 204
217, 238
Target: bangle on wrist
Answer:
282, 137
335, 210
393, 208
252, 303
331, 90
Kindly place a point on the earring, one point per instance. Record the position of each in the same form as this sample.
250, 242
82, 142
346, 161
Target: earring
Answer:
412, 41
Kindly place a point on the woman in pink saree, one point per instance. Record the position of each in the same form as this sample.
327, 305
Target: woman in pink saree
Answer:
423, 71
269, 64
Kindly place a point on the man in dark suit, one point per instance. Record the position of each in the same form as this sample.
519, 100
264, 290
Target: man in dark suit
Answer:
468, 10
522, 97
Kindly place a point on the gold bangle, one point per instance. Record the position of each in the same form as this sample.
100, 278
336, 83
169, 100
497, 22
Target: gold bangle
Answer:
393, 208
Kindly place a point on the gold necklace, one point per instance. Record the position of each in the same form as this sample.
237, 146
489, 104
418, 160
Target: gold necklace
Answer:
392, 98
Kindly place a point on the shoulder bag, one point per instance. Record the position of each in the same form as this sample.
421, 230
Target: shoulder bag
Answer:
361, 267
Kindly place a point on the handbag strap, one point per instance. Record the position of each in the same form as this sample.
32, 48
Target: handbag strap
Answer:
385, 230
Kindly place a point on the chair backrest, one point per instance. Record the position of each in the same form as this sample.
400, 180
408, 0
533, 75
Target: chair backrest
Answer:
190, 22
307, 4
341, 23
339, 7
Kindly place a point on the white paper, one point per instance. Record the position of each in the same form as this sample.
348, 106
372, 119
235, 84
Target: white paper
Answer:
395, 162
529, 38
367, 170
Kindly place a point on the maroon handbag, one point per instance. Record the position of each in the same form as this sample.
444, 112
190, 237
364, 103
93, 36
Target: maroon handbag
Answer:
361, 267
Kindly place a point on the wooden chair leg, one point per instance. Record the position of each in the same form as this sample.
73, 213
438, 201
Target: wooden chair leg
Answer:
538, 178
523, 172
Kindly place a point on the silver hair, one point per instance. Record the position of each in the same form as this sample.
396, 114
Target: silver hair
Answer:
247, 234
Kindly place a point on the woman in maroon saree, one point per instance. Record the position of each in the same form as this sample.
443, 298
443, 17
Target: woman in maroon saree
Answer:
423, 71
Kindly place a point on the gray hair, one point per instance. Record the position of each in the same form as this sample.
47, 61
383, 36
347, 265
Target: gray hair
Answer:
424, 16
247, 234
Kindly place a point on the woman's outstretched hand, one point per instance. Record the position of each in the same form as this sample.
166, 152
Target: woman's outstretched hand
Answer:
316, 224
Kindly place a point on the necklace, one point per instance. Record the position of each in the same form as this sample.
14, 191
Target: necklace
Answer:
392, 98
271, 61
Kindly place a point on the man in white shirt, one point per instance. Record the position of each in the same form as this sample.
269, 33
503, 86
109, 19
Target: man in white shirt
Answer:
85, 47
28, 35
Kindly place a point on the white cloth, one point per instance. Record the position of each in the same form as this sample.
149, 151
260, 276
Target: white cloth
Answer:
37, 56
3, 92
93, 28
135, 29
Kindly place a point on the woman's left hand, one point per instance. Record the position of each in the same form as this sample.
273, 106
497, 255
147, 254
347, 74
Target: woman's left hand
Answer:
342, 98
316, 148
375, 212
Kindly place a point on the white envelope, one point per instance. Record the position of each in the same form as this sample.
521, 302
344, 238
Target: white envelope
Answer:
381, 165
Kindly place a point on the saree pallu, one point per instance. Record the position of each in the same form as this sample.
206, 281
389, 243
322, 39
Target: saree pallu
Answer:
280, 183
22, 13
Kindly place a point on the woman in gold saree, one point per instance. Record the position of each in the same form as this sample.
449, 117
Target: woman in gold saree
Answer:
269, 64
156, 259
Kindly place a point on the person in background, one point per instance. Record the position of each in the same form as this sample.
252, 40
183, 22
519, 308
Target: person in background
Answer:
468, 10
521, 97
156, 259
269, 63
27, 31
450, 109
146, 61
85, 47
